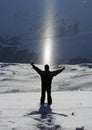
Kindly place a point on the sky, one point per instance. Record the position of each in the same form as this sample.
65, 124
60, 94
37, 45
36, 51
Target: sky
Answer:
63, 26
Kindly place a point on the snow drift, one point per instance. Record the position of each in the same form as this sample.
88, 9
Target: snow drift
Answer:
20, 95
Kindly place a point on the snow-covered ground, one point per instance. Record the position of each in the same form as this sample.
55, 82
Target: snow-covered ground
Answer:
22, 78
20, 95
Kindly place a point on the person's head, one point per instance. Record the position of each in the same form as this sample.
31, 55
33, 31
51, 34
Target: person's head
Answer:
46, 67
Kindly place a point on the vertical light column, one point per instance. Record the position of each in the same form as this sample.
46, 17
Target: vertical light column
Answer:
47, 51
48, 43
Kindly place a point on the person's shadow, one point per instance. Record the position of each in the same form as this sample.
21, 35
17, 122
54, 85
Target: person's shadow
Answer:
46, 119
44, 110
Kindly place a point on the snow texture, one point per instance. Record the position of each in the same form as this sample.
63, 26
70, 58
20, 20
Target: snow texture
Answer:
20, 96
22, 78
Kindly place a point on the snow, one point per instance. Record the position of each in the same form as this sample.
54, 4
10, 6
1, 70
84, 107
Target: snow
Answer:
21, 111
22, 78
20, 97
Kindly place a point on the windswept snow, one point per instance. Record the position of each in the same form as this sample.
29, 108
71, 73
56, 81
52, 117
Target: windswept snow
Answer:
22, 78
20, 96
21, 111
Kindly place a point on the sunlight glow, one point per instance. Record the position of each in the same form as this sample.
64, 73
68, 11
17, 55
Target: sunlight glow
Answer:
47, 52
48, 42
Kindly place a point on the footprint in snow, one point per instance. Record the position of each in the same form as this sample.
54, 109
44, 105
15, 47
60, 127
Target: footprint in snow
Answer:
46, 121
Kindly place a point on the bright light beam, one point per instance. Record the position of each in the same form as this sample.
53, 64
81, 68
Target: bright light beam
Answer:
47, 52
47, 46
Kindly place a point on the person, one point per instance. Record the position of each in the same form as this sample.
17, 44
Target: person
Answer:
46, 80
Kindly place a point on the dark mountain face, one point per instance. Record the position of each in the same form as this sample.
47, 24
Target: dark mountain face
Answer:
25, 26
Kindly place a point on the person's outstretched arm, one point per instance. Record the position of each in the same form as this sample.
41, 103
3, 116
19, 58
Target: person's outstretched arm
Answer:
54, 73
36, 69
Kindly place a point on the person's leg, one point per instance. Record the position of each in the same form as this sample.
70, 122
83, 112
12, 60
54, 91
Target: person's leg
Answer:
49, 96
42, 96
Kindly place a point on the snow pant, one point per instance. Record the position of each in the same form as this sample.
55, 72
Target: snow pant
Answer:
43, 94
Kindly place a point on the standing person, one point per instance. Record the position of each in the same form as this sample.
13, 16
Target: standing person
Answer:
46, 80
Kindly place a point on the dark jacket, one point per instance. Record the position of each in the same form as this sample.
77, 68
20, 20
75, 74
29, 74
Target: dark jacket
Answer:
46, 77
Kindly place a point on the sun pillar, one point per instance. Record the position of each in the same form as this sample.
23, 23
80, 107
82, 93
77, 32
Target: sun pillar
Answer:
48, 33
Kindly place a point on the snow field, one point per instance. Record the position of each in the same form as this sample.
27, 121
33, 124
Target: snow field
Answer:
20, 97
21, 111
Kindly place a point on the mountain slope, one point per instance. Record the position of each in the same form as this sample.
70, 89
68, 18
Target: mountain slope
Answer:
20, 98
22, 78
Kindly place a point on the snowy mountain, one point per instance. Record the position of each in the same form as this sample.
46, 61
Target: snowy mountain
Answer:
22, 78
25, 27
20, 97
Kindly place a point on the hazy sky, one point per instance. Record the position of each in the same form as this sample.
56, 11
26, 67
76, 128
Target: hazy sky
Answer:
13, 13
30, 19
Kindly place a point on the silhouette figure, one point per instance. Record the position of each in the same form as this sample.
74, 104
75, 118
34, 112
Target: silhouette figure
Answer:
46, 80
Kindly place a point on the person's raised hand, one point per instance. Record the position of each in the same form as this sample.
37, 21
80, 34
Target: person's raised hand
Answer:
63, 67
32, 63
